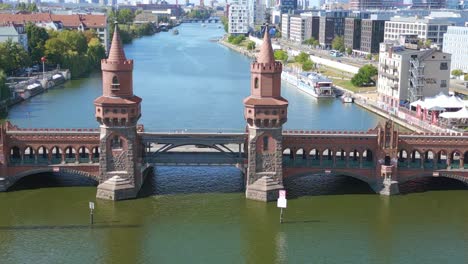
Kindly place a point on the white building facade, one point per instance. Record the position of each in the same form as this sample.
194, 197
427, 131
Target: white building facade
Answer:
456, 44
238, 18
407, 75
296, 29
427, 28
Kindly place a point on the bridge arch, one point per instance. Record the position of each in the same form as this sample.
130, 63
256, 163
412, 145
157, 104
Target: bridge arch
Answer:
15, 154
429, 158
56, 155
70, 154
337, 172
12, 180
29, 155
42, 154
442, 159
455, 175
455, 158
84, 154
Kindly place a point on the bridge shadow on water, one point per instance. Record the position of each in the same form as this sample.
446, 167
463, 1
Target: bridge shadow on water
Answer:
47, 180
314, 185
431, 184
192, 179
66, 227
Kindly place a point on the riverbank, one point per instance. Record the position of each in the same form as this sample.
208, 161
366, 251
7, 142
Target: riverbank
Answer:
367, 101
242, 50
28, 87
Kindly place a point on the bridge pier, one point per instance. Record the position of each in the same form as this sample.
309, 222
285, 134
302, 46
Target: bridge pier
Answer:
264, 189
387, 187
117, 188
4, 184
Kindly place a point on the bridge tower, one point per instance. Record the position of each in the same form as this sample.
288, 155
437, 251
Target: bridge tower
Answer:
387, 159
265, 112
117, 112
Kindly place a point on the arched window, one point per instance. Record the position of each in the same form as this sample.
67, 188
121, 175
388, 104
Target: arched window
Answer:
116, 142
115, 83
265, 143
256, 82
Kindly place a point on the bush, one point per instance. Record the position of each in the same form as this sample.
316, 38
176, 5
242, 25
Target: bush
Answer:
281, 55
251, 45
307, 65
364, 76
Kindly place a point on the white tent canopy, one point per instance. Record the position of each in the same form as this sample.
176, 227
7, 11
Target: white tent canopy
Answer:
440, 101
461, 114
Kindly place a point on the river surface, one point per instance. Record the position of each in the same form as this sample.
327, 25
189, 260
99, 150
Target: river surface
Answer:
199, 214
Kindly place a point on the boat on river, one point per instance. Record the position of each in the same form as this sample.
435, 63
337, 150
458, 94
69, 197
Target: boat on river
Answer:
175, 32
311, 83
347, 98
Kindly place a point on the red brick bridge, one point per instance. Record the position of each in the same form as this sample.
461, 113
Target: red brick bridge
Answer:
117, 154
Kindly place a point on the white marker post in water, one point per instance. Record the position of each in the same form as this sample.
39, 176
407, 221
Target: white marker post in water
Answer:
282, 203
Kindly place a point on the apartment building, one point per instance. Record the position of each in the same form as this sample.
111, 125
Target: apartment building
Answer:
238, 20
79, 22
456, 44
256, 12
407, 73
14, 32
352, 34
372, 34
297, 29
429, 4
285, 27
329, 28
426, 28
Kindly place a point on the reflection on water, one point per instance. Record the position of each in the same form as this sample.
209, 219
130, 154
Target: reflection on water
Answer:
44, 180
325, 185
431, 184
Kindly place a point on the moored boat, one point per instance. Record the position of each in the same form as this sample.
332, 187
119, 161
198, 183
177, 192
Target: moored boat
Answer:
347, 98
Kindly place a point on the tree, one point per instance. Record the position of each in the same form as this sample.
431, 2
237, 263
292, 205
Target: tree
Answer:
302, 57
95, 53
369, 56
37, 37
465, 78
349, 51
5, 92
365, 75
125, 16
457, 73
251, 45
338, 43
310, 41
281, 55
74, 40
225, 23
307, 65
55, 48
13, 57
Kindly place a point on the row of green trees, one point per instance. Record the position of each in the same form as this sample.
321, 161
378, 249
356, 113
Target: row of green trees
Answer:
80, 52
128, 31
199, 13
236, 40
27, 7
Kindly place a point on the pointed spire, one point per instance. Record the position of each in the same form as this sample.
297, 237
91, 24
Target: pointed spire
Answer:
266, 54
116, 52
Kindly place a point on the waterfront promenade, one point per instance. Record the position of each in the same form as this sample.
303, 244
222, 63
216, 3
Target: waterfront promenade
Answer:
366, 100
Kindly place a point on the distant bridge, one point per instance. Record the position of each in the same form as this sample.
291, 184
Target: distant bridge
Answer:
197, 20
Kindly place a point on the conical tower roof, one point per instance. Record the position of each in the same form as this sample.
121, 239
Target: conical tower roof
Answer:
266, 54
116, 52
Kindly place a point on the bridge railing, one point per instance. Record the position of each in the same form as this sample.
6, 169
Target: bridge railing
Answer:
193, 160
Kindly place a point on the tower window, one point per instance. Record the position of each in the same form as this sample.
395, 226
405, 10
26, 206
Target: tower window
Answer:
256, 82
115, 83
116, 142
265, 143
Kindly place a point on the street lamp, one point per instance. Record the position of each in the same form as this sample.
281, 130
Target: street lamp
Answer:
43, 59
